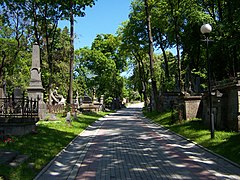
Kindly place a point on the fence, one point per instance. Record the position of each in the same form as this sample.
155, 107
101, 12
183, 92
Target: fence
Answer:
18, 107
57, 108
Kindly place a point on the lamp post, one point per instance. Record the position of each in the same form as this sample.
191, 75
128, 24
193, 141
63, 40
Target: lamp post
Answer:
206, 29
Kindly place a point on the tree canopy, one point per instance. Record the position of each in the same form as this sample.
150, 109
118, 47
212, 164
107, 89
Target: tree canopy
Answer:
175, 25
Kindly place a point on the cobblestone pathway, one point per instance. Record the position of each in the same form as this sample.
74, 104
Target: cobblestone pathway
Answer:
124, 145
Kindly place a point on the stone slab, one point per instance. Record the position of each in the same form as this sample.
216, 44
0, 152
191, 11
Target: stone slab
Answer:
7, 156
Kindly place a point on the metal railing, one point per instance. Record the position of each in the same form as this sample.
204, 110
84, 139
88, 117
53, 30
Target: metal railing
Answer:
18, 107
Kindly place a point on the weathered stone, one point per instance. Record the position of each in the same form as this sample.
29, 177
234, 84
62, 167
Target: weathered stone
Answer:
35, 89
191, 106
226, 105
7, 156
18, 160
2, 94
17, 93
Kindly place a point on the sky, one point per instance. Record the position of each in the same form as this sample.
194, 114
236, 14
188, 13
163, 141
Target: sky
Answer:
103, 18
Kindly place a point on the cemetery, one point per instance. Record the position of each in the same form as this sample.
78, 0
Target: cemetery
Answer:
20, 113
180, 59
226, 103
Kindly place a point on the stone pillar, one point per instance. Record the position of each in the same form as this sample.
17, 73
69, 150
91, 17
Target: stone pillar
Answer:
35, 89
2, 94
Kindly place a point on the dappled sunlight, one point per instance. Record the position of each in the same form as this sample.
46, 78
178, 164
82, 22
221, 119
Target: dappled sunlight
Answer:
125, 145
139, 149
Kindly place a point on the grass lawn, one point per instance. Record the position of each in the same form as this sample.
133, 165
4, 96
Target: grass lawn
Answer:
41, 147
226, 144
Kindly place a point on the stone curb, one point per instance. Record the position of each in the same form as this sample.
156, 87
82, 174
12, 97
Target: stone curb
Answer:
77, 165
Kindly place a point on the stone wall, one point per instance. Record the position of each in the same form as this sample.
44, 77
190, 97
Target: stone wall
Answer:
18, 126
226, 106
188, 107
225, 103
168, 101
191, 105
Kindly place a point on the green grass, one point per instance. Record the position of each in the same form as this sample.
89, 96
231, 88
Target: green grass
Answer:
225, 143
41, 148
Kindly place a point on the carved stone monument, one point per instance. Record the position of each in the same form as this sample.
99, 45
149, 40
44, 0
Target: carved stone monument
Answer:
35, 89
56, 98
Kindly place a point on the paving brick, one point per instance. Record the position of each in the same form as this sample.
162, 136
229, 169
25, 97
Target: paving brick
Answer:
125, 145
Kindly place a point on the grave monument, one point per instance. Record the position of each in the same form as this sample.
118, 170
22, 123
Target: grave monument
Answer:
35, 89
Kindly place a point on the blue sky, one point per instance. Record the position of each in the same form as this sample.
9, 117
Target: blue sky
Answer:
103, 18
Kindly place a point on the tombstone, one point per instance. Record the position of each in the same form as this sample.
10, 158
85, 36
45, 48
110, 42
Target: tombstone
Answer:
2, 95
17, 93
75, 115
35, 89
176, 88
3, 90
56, 98
77, 101
68, 118
86, 99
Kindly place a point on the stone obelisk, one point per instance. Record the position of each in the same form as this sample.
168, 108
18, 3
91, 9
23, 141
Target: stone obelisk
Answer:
35, 89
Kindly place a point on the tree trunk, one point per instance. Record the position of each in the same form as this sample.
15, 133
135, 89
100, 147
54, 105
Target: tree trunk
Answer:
141, 77
178, 51
154, 83
164, 56
144, 80
70, 92
179, 62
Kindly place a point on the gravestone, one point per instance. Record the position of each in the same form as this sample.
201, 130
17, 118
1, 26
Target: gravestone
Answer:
17, 93
2, 94
77, 100
68, 118
86, 99
35, 89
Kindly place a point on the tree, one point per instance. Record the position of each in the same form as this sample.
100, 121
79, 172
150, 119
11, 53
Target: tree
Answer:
44, 17
152, 71
135, 45
74, 8
15, 51
101, 66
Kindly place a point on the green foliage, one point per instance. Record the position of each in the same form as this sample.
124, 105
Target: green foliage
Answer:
24, 23
15, 58
108, 101
101, 65
134, 96
176, 24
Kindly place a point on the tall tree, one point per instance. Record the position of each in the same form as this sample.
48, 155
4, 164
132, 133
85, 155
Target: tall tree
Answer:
70, 91
152, 71
136, 50
44, 17
104, 62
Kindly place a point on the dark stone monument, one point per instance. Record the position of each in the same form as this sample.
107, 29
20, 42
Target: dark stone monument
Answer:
35, 89
17, 93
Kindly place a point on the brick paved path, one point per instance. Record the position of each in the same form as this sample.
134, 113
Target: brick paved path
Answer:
124, 145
